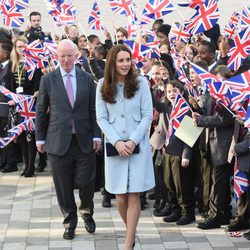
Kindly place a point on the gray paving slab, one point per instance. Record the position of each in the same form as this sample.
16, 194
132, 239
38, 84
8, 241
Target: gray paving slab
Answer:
31, 220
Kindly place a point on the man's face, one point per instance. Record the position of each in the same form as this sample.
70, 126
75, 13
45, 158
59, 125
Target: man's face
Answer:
96, 42
67, 56
35, 21
163, 39
147, 64
3, 54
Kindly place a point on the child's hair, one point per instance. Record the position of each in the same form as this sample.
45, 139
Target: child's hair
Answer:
223, 70
176, 84
102, 51
165, 65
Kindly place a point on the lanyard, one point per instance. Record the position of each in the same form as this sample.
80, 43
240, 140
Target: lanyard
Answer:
19, 74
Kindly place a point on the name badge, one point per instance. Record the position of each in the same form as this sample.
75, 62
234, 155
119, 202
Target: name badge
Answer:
19, 90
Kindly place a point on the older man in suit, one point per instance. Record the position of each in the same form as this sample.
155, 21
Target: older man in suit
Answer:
71, 136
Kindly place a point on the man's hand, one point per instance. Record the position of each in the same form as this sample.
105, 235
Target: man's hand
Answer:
184, 163
97, 146
40, 148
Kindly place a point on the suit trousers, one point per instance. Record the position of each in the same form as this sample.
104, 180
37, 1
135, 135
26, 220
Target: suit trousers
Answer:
67, 171
220, 197
180, 185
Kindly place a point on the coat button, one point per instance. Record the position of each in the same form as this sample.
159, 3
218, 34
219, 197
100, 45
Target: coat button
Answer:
123, 131
122, 116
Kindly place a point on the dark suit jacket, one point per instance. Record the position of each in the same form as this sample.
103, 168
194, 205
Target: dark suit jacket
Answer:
4, 109
58, 132
176, 146
220, 130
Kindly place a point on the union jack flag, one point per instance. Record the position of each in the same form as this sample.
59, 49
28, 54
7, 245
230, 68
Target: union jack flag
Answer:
240, 182
194, 4
31, 66
155, 9
245, 17
240, 49
206, 77
151, 38
229, 30
132, 27
220, 92
239, 81
12, 17
49, 47
15, 97
239, 95
19, 4
204, 19
239, 109
14, 132
180, 109
139, 51
27, 108
247, 118
94, 18
123, 7
178, 33
62, 11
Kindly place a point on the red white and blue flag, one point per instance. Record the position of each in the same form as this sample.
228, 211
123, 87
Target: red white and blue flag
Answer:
27, 108
240, 182
12, 17
180, 109
205, 17
19, 4
245, 17
239, 81
15, 97
178, 33
194, 4
240, 49
155, 9
122, 7
94, 18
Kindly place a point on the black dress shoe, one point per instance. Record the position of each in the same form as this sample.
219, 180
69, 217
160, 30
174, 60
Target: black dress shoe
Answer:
209, 223
89, 223
29, 174
173, 217
41, 166
247, 235
69, 234
237, 225
9, 169
185, 220
164, 212
106, 202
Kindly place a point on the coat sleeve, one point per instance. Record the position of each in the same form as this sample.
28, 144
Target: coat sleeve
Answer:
146, 113
243, 147
41, 111
102, 117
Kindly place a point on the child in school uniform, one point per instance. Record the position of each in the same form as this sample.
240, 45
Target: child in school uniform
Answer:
178, 173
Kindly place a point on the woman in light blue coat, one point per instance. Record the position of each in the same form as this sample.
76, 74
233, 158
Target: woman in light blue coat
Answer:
124, 113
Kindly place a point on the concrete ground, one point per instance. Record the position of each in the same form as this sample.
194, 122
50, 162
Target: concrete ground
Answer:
30, 219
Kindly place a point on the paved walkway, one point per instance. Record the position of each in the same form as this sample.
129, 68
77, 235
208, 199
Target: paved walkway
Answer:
30, 219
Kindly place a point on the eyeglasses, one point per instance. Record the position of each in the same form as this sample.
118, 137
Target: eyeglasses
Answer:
19, 47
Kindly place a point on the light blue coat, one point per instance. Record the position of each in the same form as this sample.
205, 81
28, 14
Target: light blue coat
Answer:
127, 119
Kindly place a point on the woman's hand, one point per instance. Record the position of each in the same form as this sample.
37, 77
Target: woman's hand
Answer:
130, 145
122, 149
184, 162
11, 103
36, 94
195, 115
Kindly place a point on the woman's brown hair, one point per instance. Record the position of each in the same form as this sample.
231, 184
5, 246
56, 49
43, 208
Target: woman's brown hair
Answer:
109, 88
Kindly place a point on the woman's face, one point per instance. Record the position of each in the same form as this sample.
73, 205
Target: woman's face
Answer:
73, 32
82, 42
194, 78
156, 74
171, 92
120, 36
164, 49
19, 47
123, 64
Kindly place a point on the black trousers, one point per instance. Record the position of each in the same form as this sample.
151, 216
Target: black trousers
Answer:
29, 151
74, 169
220, 197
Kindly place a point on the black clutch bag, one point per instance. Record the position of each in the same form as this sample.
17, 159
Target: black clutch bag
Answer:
111, 150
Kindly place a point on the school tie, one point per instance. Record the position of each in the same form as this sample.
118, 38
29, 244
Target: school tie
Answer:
69, 89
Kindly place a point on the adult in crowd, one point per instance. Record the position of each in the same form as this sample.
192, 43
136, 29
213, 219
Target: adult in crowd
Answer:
18, 82
35, 32
8, 162
124, 113
71, 136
